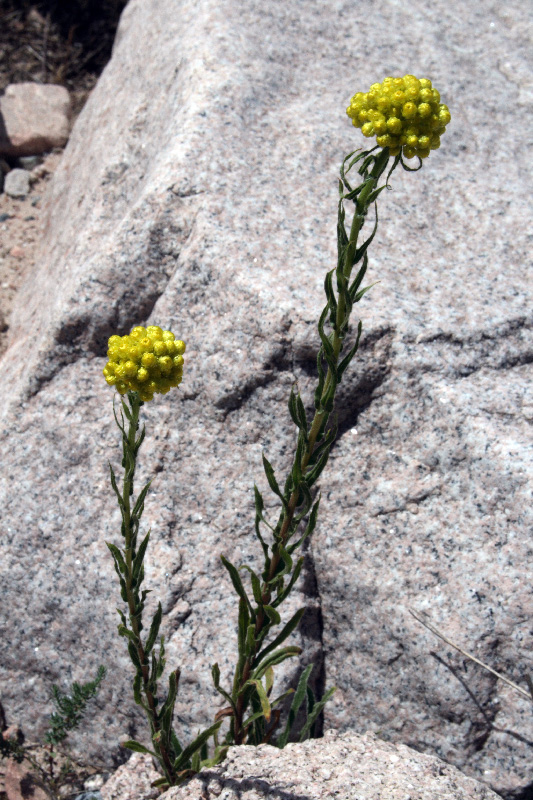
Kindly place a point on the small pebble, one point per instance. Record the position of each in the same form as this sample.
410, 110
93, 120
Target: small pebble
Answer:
16, 252
17, 183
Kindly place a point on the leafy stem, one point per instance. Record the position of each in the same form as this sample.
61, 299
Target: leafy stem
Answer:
314, 441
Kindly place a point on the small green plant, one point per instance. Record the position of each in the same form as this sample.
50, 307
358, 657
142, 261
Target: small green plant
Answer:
406, 116
53, 769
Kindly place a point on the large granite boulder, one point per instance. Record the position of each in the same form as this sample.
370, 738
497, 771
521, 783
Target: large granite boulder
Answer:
198, 191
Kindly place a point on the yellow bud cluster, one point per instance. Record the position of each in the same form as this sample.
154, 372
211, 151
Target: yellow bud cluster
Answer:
403, 114
148, 361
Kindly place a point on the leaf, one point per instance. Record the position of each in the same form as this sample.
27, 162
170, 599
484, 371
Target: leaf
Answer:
195, 745
134, 656
167, 710
259, 507
317, 708
275, 658
294, 577
256, 585
272, 614
269, 680
250, 641
285, 632
295, 706
119, 560
219, 756
160, 783
315, 472
307, 532
236, 581
244, 619
215, 672
272, 482
139, 557
359, 253
131, 744
139, 504
345, 361
297, 410
154, 629
115, 487
137, 682
124, 631
263, 699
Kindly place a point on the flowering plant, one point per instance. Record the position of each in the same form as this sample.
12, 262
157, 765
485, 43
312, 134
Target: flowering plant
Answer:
406, 116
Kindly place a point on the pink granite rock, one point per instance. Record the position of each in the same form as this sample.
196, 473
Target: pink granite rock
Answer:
34, 118
198, 191
346, 766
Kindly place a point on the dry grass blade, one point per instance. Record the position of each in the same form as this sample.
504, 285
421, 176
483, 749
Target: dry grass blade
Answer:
515, 686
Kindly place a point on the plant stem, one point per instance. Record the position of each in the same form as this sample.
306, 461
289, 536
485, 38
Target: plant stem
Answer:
362, 204
129, 536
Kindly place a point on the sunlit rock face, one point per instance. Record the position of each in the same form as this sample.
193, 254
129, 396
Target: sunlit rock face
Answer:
198, 192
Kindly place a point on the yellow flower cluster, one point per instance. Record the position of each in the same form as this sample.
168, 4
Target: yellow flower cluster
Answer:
147, 361
403, 114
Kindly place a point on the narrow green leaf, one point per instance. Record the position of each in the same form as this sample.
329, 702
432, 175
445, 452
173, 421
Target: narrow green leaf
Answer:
139, 504
271, 478
134, 656
115, 487
160, 783
119, 560
259, 507
244, 619
215, 672
272, 614
177, 749
294, 577
154, 629
236, 581
219, 756
139, 557
256, 585
285, 632
345, 361
295, 706
275, 658
317, 708
263, 699
137, 747
359, 253
250, 641
184, 757
315, 472
137, 683
269, 680
167, 709
124, 631
308, 530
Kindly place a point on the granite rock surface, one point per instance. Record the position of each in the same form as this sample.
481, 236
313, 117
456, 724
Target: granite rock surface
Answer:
349, 766
198, 191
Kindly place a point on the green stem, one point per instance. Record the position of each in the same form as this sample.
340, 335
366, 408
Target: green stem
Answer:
362, 205
129, 475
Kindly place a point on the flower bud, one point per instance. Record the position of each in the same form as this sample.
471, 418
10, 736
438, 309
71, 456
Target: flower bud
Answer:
148, 361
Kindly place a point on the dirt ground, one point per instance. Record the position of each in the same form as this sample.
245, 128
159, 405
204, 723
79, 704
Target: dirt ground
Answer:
47, 41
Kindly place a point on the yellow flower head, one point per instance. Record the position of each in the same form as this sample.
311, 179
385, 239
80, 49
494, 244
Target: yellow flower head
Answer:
147, 361
403, 114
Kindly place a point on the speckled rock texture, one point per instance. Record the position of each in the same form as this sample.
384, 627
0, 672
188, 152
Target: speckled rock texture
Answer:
198, 191
344, 767
133, 780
